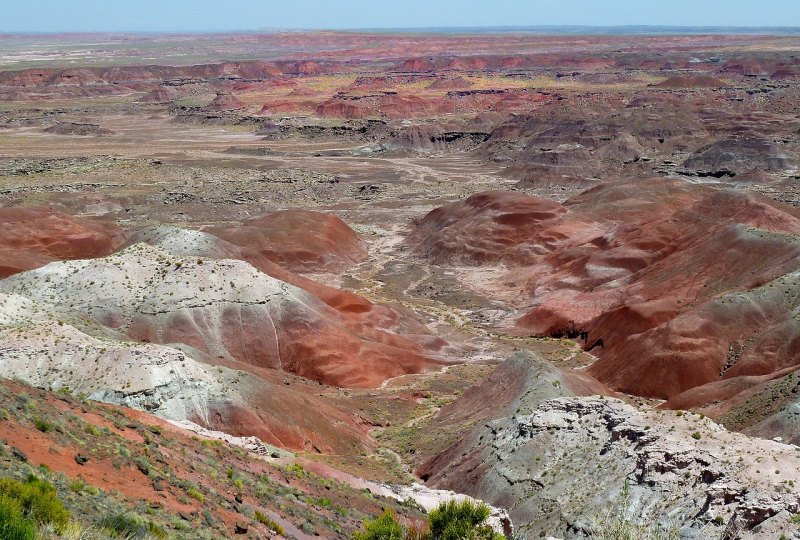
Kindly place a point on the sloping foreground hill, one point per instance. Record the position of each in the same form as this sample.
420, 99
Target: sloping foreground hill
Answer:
135, 474
179, 324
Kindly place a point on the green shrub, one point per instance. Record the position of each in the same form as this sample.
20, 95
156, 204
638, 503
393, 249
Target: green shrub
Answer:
37, 501
77, 485
196, 495
459, 520
269, 522
13, 525
383, 527
43, 425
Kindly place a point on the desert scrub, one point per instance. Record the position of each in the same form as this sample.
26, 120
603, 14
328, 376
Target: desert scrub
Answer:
29, 505
130, 527
455, 520
43, 425
451, 520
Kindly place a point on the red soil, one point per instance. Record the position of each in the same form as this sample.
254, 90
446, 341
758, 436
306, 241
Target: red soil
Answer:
299, 240
33, 237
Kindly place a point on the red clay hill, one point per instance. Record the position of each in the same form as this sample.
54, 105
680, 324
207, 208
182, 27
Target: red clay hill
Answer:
32, 237
672, 285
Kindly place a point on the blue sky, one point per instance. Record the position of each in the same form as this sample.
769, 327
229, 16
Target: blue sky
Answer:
206, 15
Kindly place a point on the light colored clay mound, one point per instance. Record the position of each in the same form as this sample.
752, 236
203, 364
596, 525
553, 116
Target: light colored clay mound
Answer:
518, 386
737, 155
225, 102
224, 308
299, 240
583, 451
696, 81
165, 381
360, 315
33, 237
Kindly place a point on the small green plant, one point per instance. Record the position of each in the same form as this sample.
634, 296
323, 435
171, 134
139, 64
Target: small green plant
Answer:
264, 519
13, 525
456, 520
696, 435
383, 527
43, 425
77, 485
451, 520
36, 501
126, 526
617, 526
196, 495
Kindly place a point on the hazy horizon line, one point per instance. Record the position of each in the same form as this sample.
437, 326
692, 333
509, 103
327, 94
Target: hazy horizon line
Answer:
530, 29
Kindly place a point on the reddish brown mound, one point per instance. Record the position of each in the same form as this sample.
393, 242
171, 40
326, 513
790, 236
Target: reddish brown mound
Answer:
416, 65
33, 237
283, 107
225, 102
338, 109
162, 94
661, 279
695, 81
300, 240
450, 83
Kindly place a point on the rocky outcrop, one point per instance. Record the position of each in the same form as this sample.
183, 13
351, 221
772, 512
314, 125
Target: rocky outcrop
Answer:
564, 466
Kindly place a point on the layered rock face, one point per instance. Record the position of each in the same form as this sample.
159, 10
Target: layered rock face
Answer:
39, 347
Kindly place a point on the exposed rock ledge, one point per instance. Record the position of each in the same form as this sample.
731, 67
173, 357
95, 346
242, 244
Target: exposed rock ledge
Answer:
567, 462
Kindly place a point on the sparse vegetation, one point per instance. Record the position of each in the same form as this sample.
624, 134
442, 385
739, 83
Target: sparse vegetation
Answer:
451, 520
618, 525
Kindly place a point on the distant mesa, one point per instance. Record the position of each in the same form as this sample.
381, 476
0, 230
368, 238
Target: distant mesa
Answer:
695, 81
162, 94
